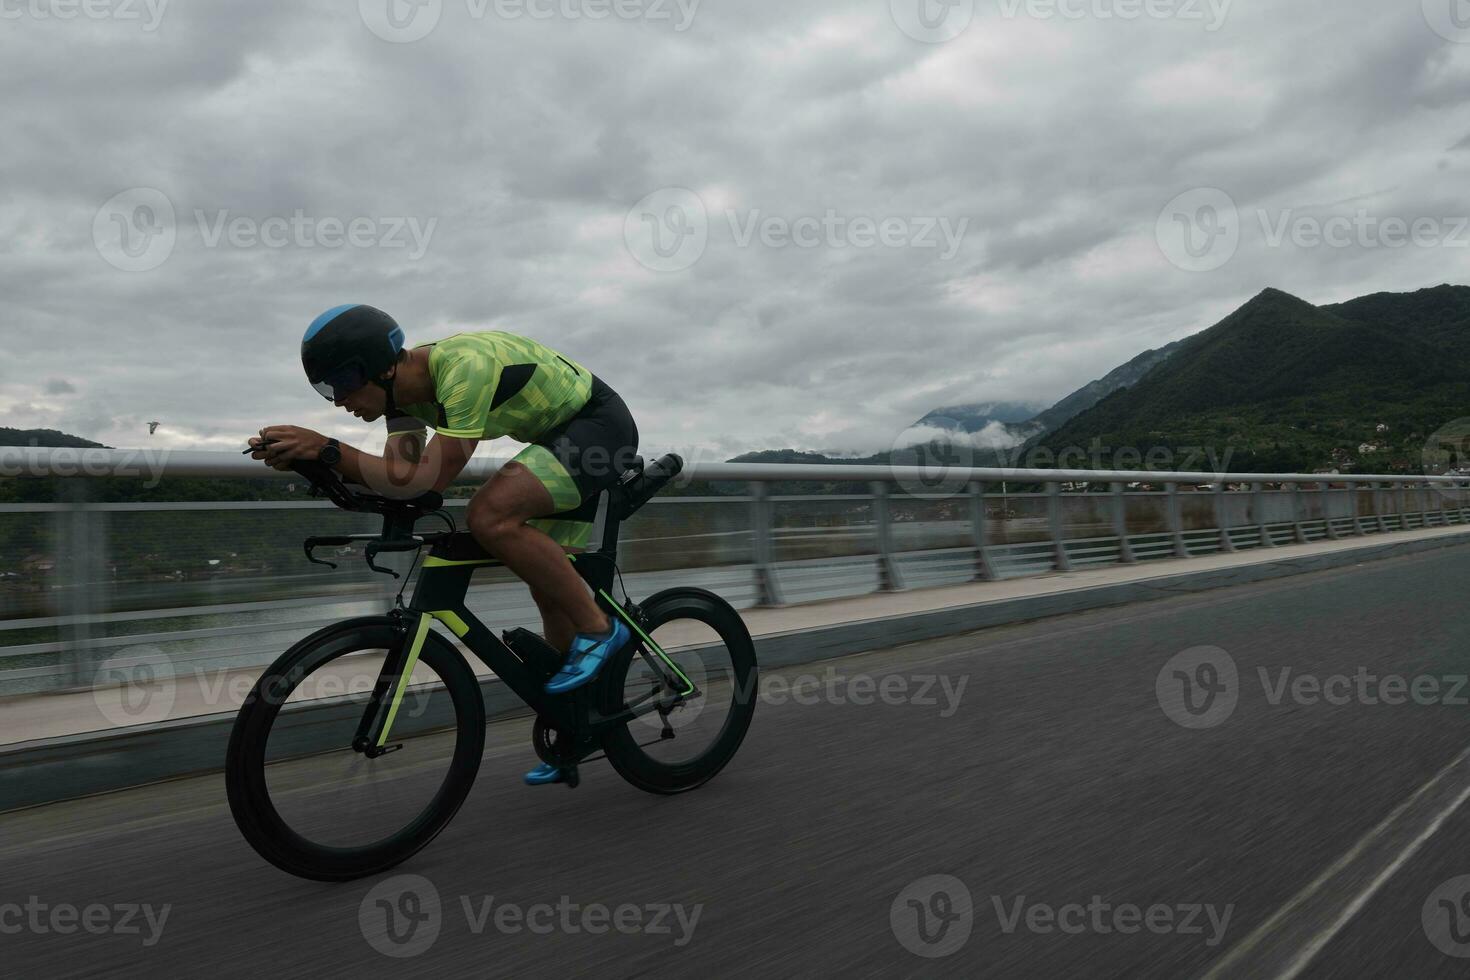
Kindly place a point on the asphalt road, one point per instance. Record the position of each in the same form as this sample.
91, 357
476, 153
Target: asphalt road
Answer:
1082, 830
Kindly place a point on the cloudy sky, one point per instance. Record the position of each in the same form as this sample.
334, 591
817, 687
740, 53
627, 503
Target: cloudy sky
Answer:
767, 223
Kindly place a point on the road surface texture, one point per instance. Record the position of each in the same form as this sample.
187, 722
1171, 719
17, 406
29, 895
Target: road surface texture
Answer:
1266, 780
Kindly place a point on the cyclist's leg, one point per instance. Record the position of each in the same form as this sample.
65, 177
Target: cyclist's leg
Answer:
556, 627
498, 518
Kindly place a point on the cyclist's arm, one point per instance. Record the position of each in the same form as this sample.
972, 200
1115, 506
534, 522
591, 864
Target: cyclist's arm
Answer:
393, 475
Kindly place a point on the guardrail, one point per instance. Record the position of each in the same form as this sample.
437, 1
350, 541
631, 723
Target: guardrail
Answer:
83, 582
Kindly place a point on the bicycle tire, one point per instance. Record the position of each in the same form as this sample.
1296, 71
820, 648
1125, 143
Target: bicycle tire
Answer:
245, 766
627, 757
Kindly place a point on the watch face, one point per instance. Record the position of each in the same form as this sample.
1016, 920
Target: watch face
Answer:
331, 455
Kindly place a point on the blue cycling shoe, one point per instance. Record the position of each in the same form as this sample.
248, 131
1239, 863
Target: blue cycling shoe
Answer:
584, 662
544, 775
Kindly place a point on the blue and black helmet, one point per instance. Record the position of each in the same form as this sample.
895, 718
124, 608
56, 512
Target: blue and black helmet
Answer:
348, 346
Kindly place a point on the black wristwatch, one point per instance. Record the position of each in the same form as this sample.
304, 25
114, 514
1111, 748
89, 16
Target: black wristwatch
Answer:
331, 453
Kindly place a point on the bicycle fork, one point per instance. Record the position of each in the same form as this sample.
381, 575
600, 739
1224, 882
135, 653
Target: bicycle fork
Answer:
397, 673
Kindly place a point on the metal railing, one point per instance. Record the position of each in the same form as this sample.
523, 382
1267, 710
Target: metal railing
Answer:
222, 584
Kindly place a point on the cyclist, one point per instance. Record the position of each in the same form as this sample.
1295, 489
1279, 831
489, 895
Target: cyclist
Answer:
580, 439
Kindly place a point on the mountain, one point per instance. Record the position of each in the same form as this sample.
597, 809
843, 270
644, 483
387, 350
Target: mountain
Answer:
1020, 422
978, 416
48, 438
1281, 384
1090, 394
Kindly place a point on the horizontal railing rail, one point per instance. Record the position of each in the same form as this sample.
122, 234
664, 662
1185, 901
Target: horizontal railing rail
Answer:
84, 581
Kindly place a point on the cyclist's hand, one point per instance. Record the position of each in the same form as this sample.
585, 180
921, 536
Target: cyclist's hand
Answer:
287, 443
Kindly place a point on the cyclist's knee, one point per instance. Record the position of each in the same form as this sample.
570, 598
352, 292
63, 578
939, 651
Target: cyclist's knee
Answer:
488, 521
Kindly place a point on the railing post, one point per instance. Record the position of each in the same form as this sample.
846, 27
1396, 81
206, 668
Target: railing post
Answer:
1296, 513
1380, 508
1325, 493
888, 577
1352, 493
1222, 504
1120, 525
81, 575
1444, 510
1176, 520
1060, 561
1258, 502
767, 588
984, 568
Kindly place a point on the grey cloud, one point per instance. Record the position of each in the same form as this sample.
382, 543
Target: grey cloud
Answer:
529, 141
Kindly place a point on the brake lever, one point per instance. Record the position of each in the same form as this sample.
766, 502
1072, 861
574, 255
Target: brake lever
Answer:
311, 544
377, 547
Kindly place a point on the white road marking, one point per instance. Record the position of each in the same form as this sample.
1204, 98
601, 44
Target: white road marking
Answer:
1316, 942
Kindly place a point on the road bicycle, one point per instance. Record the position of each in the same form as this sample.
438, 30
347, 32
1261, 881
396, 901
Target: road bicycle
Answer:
357, 747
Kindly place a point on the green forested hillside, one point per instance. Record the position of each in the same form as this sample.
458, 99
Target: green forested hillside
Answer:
1284, 385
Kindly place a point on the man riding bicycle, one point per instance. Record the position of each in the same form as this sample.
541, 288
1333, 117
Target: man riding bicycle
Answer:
580, 439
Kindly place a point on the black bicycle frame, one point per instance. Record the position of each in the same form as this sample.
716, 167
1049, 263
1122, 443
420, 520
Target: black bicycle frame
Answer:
443, 584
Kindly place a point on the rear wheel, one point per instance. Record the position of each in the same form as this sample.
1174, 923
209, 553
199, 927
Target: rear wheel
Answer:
311, 804
685, 746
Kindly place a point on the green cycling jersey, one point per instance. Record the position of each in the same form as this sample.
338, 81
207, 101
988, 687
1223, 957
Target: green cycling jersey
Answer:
491, 384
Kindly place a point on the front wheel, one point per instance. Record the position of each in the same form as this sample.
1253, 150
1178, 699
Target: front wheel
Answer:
312, 804
687, 741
